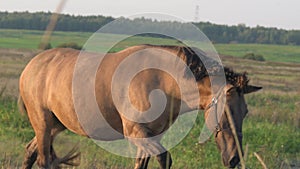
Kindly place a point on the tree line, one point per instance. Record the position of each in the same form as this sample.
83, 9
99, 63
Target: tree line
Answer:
40, 20
216, 33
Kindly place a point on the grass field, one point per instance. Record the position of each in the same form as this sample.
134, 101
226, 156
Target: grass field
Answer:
271, 129
30, 39
275, 53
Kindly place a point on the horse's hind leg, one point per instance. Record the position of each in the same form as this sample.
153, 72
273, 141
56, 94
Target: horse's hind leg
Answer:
30, 154
43, 134
42, 123
31, 148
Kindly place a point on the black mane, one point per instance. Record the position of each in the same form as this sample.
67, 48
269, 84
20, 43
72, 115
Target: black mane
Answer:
201, 65
211, 67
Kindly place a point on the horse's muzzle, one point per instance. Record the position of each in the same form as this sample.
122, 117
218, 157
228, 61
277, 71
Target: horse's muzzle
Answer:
234, 161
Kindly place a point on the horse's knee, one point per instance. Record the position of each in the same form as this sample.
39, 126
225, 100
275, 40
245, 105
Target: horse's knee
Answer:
165, 160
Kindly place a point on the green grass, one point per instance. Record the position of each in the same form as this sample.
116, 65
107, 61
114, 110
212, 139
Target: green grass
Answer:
30, 39
276, 141
275, 53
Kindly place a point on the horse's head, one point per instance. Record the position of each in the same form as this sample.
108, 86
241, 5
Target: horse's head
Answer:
230, 97
236, 107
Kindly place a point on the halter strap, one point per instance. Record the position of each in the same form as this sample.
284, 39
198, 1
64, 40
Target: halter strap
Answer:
214, 103
214, 100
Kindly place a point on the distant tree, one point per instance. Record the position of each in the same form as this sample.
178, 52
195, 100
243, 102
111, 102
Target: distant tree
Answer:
72, 45
294, 37
216, 33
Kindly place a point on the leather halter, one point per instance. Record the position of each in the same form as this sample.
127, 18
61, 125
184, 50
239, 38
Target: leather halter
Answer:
214, 104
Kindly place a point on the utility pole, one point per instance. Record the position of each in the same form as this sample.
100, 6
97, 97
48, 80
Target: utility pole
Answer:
196, 17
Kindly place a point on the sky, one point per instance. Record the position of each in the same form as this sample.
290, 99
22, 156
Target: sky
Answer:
270, 13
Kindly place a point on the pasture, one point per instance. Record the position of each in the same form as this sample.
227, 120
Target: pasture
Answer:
271, 128
30, 39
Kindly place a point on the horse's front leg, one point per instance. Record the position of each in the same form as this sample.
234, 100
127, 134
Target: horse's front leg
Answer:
165, 160
142, 160
148, 145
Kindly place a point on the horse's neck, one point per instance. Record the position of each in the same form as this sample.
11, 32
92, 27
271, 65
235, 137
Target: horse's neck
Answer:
197, 97
205, 91
193, 98
204, 95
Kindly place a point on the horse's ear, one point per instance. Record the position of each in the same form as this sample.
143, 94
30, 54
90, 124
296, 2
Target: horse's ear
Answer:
249, 89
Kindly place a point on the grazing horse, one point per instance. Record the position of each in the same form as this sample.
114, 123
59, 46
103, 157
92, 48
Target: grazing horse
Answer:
46, 97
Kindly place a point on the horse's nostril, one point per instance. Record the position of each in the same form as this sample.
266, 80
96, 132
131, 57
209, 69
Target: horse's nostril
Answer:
234, 161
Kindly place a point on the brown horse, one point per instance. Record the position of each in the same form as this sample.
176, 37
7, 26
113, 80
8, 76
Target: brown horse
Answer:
46, 95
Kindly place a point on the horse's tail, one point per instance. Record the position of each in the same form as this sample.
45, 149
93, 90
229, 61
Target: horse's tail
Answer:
21, 106
68, 159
